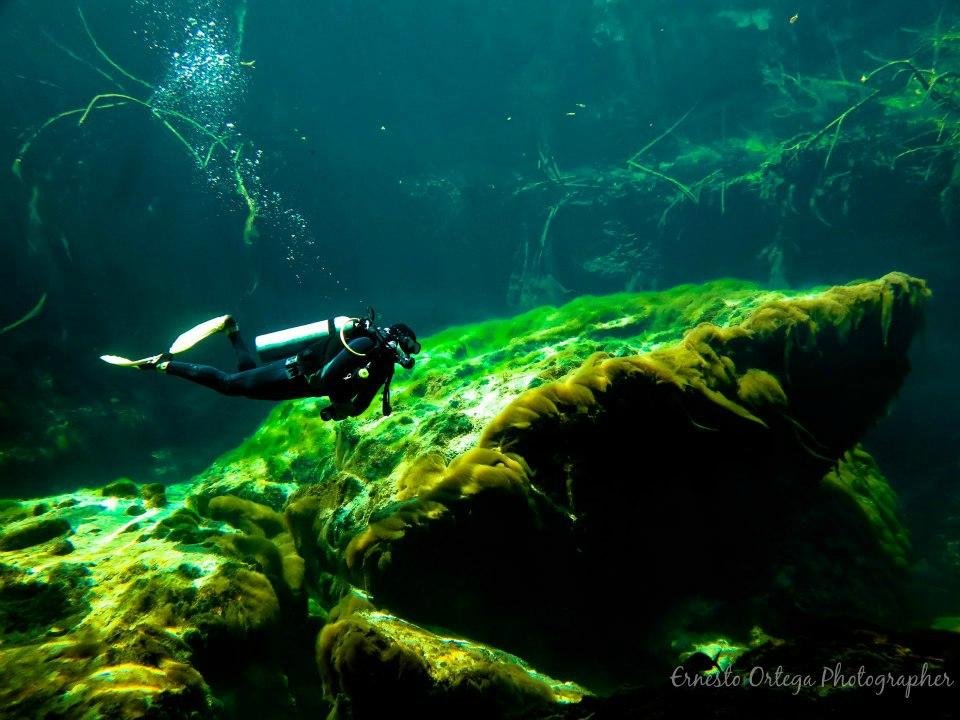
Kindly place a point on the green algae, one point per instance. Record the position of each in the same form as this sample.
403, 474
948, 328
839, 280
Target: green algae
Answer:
441, 676
31, 607
487, 470
33, 533
122, 488
860, 480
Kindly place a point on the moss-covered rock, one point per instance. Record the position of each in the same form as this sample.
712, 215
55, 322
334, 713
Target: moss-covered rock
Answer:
154, 495
600, 480
146, 623
31, 607
32, 533
735, 437
121, 487
374, 664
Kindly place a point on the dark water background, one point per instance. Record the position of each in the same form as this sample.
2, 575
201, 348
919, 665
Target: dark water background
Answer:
401, 133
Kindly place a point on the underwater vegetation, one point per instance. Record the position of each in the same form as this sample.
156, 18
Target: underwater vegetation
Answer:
618, 477
621, 478
167, 102
801, 149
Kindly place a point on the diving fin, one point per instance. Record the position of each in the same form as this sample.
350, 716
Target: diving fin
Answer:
184, 342
201, 332
142, 363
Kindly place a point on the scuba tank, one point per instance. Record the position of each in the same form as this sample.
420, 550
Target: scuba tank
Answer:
284, 343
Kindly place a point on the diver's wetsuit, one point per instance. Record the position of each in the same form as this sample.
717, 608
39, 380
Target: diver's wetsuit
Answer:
317, 370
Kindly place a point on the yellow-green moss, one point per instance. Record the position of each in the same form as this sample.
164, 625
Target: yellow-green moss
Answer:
238, 600
121, 487
376, 661
246, 515
860, 481
757, 411
32, 533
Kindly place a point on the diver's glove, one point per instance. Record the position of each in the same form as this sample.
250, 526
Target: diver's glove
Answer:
337, 411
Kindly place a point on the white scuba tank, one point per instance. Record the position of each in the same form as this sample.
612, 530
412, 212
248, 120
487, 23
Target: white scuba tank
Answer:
284, 343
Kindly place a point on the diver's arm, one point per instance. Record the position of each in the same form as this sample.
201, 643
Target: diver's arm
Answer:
383, 375
363, 399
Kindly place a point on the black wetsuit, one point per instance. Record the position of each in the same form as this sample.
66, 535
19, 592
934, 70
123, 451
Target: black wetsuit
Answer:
324, 368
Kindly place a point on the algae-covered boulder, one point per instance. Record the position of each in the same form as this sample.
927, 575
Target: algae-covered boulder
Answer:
712, 470
161, 622
374, 664
589, 490
121, 487
32, 533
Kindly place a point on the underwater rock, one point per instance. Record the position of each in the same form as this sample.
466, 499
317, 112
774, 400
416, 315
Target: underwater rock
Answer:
32, 533
716, 468
143, 624
577, 486
263, 541
374, 664
11, 511
29, 606
287, 450
122, 488
183, 526
62, 547
154, 495
245, 515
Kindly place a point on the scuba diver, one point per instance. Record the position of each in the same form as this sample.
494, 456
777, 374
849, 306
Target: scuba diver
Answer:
344, 359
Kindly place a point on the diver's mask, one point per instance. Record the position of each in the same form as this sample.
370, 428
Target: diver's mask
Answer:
402, 358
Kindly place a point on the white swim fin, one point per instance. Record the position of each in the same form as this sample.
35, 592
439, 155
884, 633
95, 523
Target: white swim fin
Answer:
201, 332
142, 363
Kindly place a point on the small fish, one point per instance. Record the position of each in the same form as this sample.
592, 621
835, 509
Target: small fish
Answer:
571, 114
66, 247
252, 64
793, 20
581, 105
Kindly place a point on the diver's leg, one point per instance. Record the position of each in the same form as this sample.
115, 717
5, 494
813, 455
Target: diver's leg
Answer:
268, 382
205, 375
246, 360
